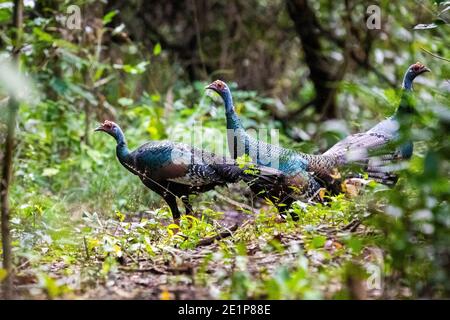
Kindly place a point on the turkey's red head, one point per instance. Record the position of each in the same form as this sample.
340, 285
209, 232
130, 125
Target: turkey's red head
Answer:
218, 86
418, 68
107, 126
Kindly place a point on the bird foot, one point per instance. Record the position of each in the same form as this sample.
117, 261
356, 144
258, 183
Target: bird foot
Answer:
354, 186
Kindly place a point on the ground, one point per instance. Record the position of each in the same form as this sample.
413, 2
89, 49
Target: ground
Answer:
145, 256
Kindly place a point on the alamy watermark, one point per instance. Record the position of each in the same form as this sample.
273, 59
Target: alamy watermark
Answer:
375, 271
72, 19
374, 19
261, 145
374, 281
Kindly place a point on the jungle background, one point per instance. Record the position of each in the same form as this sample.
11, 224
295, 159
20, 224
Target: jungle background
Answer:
81, 226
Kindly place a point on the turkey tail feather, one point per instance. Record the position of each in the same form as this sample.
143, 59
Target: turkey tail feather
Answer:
371, 150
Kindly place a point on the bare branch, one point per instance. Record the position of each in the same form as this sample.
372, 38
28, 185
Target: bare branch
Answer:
435, 55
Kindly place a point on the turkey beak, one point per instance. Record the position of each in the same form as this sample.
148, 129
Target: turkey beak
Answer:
426, 70
99, 128
211, 87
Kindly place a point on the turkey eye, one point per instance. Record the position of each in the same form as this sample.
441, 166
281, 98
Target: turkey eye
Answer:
417, 67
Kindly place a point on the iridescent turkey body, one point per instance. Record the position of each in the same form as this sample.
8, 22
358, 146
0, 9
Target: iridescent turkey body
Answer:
385, 136
175, 170
321, 170
313, 171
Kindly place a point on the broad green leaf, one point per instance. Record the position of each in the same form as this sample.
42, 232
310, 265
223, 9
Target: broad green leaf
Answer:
107, 18
49, 172
157, 49
3, 274
318, 241
125, 102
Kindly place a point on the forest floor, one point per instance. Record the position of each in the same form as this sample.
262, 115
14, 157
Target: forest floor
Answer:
177, 278
144, 256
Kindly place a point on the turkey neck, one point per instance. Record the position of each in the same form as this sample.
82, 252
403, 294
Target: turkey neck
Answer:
404, 114
238, 140
406, 105
122, 151
233, 121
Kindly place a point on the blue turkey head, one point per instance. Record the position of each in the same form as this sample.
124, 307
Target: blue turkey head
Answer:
413, 71
220, 87
417, 69
110, 128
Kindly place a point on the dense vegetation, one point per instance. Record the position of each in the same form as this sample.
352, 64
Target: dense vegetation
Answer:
84, 227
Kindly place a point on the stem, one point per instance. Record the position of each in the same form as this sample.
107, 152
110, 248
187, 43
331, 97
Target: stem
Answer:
7, 162
435, 55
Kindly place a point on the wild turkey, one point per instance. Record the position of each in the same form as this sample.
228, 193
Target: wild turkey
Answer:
318, 170
310, 169
384, 137
297, 183
176, 170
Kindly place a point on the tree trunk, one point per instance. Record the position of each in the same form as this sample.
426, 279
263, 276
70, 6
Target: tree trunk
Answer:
320, 66
7, 162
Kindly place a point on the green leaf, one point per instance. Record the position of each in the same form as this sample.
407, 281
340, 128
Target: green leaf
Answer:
137, 69
355, 245
125, 102
5, 15
59, 85
157, 49
49, 172
141, 66
120, 215
83, 92
318, 241
3, 274
155, 97
42, 35
129, 69
107, 18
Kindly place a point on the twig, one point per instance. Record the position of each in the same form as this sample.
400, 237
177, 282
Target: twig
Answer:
210, 240
86, 249
435, 55
235, 203
355, 223
352, 226
152, 270
102, 82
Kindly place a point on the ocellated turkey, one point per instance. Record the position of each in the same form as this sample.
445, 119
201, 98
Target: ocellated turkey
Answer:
317, 170
176, 170
386, 137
